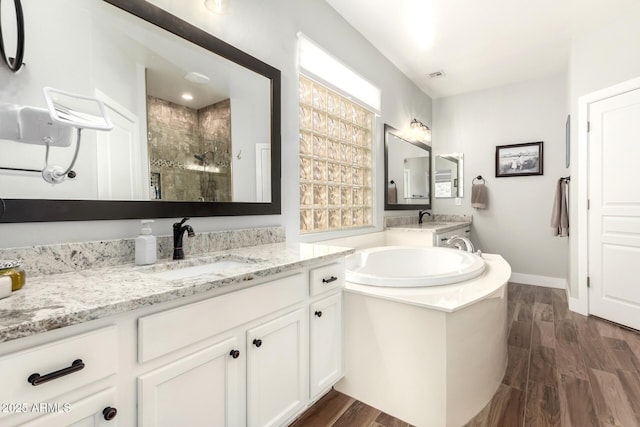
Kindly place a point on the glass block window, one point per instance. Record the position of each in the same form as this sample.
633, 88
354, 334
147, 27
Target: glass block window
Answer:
335, 160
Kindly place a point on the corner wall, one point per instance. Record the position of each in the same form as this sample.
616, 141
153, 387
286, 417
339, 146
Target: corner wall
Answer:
516, 223
599, 59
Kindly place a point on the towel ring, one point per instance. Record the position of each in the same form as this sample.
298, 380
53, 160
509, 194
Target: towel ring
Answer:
479, 177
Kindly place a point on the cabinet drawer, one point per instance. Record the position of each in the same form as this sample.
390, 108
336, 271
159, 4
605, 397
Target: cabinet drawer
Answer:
88, 411
325, 278
170, 330
97, 350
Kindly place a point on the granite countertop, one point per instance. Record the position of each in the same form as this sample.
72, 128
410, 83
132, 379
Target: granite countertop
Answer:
54, 301
433, 226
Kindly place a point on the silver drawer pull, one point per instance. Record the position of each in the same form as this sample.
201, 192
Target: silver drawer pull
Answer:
329, 280
37, 379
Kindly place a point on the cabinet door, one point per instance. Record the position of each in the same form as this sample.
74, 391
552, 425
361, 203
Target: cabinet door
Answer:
276, 370
202, 389
97, 410
325, 341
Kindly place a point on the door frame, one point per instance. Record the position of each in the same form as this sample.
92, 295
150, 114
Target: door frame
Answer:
580, 303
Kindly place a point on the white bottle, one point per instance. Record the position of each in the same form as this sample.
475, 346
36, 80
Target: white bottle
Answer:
146, 252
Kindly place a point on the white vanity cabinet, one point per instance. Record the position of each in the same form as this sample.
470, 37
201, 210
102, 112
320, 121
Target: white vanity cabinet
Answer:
68, 382
440, 239
325, 343
209, 386
276, 369
252, 357
243, 358
201, 389
325, 327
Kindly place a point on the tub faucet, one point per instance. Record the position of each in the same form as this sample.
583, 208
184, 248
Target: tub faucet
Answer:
459, 242
421, 214
178, 233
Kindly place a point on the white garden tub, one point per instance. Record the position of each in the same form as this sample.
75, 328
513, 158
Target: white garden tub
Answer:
412, 267
425, 332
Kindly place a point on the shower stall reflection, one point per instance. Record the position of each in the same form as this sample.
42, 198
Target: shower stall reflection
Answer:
190, 150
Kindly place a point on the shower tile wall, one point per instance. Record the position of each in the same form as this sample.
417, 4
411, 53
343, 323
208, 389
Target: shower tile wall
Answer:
175, 134
214, 125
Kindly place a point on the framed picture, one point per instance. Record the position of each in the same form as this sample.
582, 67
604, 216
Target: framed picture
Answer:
519, 159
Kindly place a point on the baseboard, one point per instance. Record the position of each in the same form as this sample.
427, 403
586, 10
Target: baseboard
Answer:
578, 305
532, 279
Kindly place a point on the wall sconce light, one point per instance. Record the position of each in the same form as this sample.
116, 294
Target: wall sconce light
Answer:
217, 6
420, 131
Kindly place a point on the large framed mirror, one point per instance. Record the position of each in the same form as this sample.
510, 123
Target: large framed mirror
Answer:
449, 175
196, 121
407, 172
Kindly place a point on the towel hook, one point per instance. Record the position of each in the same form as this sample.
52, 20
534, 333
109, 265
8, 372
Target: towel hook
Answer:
479, 177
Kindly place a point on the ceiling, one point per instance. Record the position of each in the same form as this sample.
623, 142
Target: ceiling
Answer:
478, 44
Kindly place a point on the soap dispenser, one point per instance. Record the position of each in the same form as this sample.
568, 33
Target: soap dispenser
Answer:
146, 252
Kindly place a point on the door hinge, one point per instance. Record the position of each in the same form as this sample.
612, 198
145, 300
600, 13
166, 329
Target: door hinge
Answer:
588, 204
588, 282
588, 126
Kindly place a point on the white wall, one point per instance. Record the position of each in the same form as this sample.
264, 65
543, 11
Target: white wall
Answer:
266, 30
599, 59
516, 223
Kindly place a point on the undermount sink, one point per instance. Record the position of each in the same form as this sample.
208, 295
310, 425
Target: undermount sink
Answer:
225, 267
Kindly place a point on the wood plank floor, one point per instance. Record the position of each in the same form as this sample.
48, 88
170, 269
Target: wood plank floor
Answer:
564, 370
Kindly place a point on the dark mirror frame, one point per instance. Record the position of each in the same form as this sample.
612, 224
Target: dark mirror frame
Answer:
45, 210
398, 206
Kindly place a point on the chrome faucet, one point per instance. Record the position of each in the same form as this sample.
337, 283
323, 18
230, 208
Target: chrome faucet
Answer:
459, 242
178, 233
421, 214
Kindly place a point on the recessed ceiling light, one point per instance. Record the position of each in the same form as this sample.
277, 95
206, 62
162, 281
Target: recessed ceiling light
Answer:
196, 78
187, 96
436, 74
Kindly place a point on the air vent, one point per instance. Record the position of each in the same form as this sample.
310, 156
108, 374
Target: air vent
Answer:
436, 74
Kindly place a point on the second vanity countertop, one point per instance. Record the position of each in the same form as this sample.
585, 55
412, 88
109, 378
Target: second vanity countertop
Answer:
433, 226
54, 301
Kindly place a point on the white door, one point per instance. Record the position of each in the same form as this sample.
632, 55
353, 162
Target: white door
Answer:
325, 343
120, 169
200, 390
614, 213
276, 370
263, 172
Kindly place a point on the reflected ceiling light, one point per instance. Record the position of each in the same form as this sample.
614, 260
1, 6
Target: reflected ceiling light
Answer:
187, 96
217, 6
196, 78
420, 131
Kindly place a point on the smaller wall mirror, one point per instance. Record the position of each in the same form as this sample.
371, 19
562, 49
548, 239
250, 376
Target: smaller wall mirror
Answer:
449, 175
407, 172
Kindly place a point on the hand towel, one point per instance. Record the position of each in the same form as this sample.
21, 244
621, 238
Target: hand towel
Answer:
560, 213
479, 196
392, 195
